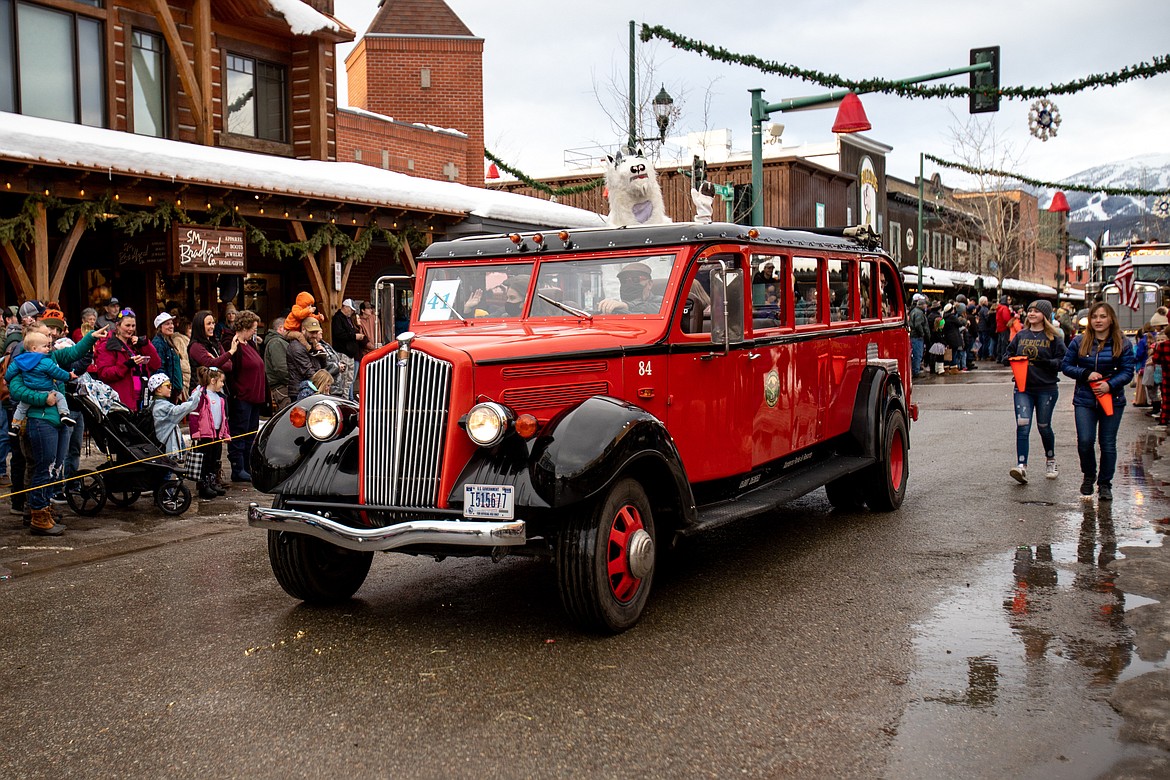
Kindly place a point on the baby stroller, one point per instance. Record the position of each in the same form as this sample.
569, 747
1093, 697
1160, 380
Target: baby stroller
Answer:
135, 463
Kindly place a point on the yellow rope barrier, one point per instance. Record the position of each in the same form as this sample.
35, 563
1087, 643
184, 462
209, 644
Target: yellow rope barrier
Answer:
124, 465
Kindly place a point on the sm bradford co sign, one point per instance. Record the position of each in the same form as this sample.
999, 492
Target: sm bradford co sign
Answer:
203, 250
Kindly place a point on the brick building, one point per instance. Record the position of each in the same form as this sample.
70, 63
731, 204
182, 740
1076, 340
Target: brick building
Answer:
416, 90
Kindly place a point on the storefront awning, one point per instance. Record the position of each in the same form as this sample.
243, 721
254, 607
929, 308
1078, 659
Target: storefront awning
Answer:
936, 277
1016, 285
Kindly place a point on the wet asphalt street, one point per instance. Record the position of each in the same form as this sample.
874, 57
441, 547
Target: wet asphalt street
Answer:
986, 630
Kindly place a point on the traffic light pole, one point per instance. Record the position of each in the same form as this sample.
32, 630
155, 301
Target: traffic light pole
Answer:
762, 110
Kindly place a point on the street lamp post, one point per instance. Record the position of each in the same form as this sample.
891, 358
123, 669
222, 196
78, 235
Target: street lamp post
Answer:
663, 103
762, 111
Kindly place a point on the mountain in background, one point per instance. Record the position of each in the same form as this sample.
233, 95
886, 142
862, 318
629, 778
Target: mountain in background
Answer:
1123, 216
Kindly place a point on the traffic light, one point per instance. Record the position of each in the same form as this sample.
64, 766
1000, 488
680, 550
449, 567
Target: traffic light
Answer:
698, 171
984, 102
742, 210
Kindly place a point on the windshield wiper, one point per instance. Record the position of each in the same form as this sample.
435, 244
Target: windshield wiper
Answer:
566, 307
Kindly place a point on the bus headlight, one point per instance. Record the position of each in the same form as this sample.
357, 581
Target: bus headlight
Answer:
487, 423
323, 421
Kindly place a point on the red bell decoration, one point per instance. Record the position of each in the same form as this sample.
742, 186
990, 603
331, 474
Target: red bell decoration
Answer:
1059, 203
851, 116
493, 172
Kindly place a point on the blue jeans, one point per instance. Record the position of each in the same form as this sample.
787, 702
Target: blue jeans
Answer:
5, 447
1093, 426
43, 441
76, 436
959, 357
1042, 403
916, 348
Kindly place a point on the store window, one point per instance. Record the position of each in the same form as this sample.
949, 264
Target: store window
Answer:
895, 235
52, 64
148, 83
257, 98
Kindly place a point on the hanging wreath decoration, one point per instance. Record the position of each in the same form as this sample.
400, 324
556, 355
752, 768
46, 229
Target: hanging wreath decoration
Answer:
1162, 207
1044, 119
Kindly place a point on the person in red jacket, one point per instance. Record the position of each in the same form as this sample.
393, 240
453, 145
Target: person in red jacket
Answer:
1003, 317
125, 361
248, 388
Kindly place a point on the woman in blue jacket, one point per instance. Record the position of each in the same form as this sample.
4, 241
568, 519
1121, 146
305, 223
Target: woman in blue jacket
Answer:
1101, 361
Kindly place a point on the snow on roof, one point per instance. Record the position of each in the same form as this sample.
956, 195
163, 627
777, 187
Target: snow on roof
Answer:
97, 149
303, 19
383, 118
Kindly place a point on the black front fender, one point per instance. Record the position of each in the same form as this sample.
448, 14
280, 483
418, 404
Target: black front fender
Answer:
286, 459
589, 446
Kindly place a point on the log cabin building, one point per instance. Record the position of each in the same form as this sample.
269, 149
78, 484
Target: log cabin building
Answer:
138, 137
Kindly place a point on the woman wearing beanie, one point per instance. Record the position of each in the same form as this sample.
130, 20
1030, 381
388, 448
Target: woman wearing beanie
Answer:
1101, 360
1042, 343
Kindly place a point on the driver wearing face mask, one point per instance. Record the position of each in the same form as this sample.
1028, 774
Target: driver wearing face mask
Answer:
636, 291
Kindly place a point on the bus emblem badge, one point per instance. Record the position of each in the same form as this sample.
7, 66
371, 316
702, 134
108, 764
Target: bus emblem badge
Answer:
772, 387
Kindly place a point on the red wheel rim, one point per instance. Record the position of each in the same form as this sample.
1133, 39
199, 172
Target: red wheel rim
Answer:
897, 460
622, 582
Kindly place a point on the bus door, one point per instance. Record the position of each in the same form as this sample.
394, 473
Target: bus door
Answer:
811, 350
708, 351
771, 373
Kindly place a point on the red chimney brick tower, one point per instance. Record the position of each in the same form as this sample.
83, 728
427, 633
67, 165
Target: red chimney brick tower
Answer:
418, 62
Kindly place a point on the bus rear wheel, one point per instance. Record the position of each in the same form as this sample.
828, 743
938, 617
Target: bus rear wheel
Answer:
605, 560
884, 486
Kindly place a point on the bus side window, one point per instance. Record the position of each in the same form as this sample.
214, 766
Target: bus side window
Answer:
767, 292
889, 280
866, 280
806, 274
840, 290
696, 310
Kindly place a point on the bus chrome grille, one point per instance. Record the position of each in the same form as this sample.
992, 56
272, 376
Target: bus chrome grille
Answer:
404, 473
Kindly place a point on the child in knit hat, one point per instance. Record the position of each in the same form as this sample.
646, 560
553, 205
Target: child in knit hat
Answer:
167, 415
303, 309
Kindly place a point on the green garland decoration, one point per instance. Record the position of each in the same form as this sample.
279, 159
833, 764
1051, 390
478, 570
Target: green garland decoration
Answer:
1134, 192
536, 185
1142, 70
20, 229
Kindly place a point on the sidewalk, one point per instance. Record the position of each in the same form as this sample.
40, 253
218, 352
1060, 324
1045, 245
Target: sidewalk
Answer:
115, 531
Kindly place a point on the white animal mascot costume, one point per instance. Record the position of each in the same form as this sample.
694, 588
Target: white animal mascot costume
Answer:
634, 195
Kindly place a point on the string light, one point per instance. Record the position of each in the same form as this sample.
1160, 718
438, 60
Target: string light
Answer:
1141, 70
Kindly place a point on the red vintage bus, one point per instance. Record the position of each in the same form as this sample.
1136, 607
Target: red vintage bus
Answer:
591, 397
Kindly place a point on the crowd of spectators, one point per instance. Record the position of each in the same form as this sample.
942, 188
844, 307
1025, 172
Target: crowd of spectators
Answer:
215, 369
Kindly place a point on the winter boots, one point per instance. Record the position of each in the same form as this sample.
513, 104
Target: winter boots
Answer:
207, 490
43, 523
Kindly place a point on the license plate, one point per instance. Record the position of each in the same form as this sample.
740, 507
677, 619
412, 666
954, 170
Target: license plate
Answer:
491, 501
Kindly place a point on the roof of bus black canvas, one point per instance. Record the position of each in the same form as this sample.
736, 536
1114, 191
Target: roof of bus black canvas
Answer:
596, 239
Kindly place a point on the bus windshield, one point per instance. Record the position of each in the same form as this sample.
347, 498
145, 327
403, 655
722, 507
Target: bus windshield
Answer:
474, 291
600, 287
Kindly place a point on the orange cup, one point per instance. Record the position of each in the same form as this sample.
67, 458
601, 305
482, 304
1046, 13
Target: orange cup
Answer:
1106, 400
1019, 371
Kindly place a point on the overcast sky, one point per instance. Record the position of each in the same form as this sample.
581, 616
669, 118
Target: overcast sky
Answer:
545, 62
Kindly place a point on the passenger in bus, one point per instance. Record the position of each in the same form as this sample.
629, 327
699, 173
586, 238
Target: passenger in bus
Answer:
489, 303
637, 294
516, 290
806, 307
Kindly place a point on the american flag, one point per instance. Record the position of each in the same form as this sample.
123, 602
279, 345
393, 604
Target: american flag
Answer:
1127, 293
